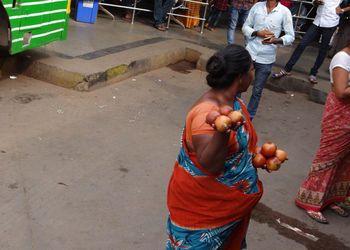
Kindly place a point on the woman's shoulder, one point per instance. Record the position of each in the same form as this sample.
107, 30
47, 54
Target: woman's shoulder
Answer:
204, 106
342, 58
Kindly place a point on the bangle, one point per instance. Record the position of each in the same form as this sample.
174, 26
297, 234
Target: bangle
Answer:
342, 10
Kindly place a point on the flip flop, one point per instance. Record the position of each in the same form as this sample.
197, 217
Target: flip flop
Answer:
317, 216
161, 27
338, 210
281, 74
313, 79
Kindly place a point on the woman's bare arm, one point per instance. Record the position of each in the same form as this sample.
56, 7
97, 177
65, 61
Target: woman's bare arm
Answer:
211, 150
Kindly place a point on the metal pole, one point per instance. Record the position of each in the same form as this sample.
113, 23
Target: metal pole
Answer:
133, 12
204, 16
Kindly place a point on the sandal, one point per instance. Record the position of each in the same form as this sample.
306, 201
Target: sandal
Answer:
317, 216
313, 79
161, 27
338, 210
281, 74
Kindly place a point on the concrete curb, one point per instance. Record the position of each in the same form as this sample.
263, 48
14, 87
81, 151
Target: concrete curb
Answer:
297, 84
85, 82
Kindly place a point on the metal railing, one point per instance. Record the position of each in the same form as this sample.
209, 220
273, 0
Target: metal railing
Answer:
302, 14
171, 14
299, 18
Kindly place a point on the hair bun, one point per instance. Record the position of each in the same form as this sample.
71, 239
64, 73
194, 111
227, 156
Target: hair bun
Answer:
216, 65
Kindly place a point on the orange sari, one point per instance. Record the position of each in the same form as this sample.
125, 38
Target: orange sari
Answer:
207, 211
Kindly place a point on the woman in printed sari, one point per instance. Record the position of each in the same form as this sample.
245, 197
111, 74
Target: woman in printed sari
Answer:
329, 179
214, 186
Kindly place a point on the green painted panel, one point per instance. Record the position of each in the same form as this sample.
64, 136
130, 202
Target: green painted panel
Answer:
46, 20
40, 41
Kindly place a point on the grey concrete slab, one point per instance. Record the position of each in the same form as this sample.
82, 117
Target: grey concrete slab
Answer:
92, 167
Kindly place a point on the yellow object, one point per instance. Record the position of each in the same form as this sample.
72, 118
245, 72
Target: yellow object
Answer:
193, 10
68, 6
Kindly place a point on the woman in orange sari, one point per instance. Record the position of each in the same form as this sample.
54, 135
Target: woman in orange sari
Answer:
328, 182
214, 186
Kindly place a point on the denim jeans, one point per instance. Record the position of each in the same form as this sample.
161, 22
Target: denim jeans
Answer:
234, 15
312, 33
214, 17
262, 72
161, 8
127, 3
295, 11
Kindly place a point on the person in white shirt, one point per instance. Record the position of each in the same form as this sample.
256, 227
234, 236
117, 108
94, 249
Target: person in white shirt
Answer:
263, 28
325, 23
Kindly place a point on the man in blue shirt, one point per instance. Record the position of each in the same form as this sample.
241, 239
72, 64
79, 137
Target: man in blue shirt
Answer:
263, 28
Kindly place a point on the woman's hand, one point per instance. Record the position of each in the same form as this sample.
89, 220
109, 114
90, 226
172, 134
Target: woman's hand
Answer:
229, 120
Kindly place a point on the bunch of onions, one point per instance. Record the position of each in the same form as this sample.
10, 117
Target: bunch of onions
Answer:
269, 156
225, 118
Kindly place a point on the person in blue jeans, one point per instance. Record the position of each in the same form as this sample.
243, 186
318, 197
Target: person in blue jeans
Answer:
160, 11
238, 9
325, 23
219, 7
263, 29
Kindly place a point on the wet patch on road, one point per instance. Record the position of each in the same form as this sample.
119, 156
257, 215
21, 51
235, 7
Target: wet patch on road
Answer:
125, 170
183, 67
264, 214
26, 98
13, 185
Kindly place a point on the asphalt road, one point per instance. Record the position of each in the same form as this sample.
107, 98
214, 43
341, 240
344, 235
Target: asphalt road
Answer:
90, 170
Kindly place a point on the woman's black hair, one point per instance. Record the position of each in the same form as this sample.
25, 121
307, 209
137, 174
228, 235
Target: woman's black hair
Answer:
226, 64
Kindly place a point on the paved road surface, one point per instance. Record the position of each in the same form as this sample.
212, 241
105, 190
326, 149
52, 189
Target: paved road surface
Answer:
90, 170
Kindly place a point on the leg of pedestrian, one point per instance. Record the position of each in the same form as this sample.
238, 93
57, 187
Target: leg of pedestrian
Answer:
243, 15
217, 19
312, 33
262, 72
322, 53
232, 23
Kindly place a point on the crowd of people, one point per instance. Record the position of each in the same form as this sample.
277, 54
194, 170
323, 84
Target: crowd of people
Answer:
214, 185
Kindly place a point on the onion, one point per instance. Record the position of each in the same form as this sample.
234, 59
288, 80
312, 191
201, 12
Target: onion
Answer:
222, 123
257, 150
211, 116
225, 110
268, 149
273, 164
281, 155
236, 116
259, 160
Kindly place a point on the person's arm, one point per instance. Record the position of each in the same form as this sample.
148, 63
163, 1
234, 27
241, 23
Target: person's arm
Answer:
249, 24
340, 87
289, 35
340, 10
211, 150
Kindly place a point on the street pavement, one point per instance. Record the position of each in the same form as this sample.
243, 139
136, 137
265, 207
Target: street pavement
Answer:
89, 170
